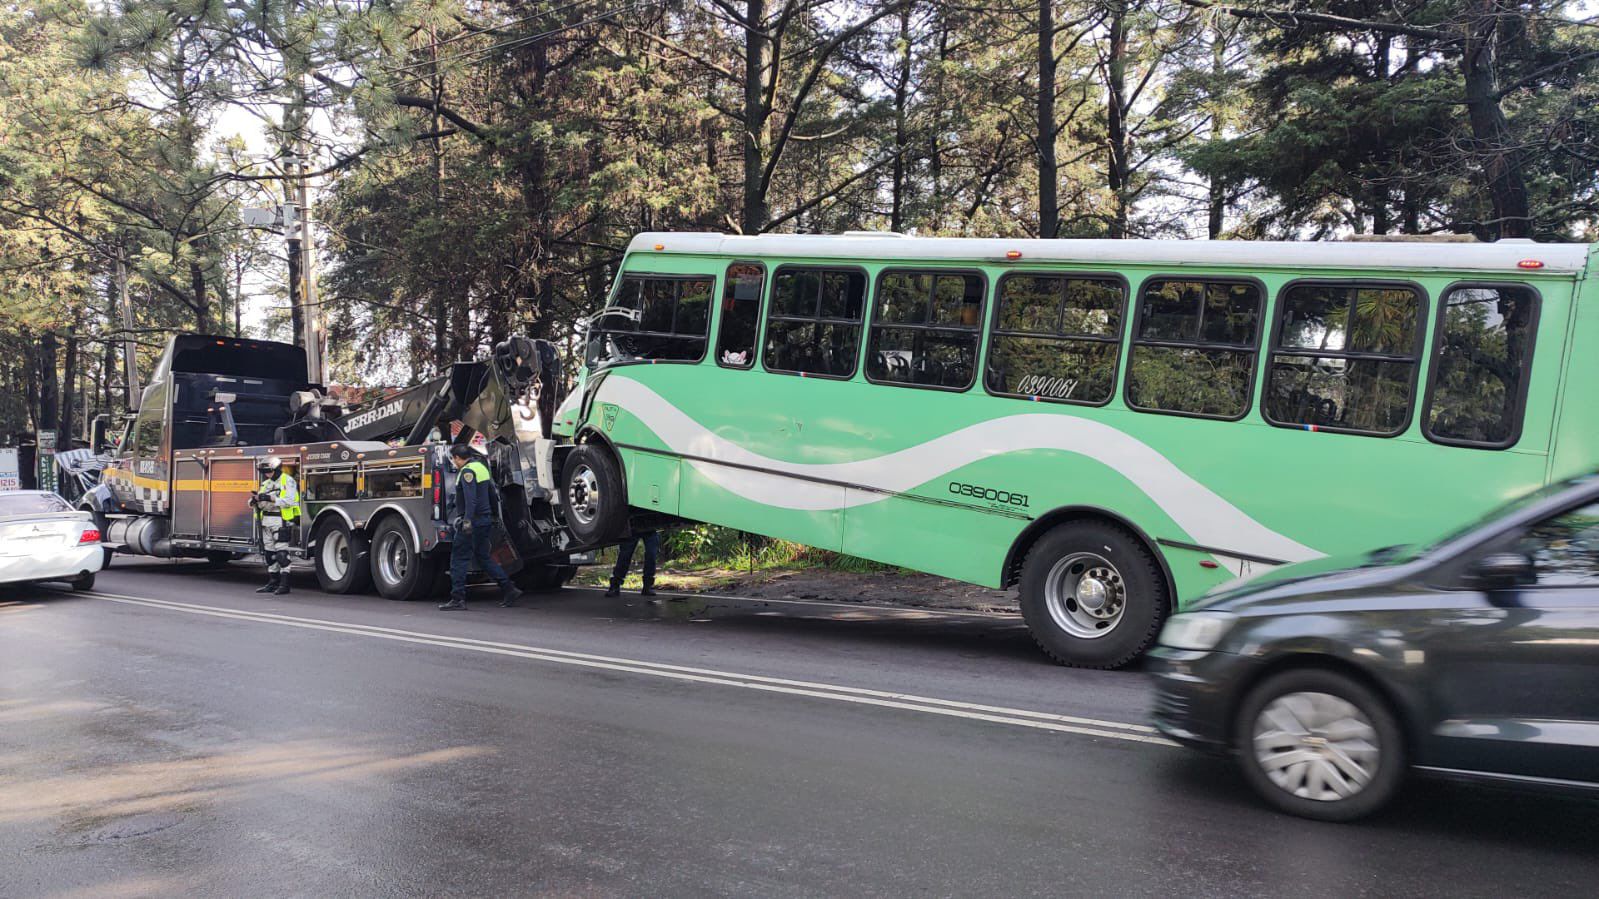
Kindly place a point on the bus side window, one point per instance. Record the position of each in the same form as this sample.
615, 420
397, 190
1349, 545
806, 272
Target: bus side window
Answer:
673, 317
813, 326
1477, 389
741, 315
1056, 338
925, 329
1345, 357
1193, 349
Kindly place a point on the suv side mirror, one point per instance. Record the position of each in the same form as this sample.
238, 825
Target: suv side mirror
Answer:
1500, 571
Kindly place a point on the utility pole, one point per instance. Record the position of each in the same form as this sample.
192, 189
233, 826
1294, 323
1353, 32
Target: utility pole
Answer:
130, 364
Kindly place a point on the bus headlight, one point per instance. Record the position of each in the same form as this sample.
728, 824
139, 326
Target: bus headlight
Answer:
1199, 631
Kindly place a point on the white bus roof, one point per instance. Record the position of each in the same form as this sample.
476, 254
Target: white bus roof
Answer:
1503, 256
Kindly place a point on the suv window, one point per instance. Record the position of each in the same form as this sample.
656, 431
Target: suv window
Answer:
1345, 357
925, 328
1056, 338
1194, 350
1565, 548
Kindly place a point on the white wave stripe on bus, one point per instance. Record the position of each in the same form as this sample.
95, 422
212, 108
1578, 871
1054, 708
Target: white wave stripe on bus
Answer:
1206, 517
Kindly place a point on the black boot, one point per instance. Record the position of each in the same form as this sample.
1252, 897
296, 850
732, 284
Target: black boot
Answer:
509, 595
271, 586
615, 588
283, 583
649, 589
456, 604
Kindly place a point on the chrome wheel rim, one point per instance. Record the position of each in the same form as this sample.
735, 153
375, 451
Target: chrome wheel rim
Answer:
1085, 595
583, 495
336, 555
394, 558
1316, 746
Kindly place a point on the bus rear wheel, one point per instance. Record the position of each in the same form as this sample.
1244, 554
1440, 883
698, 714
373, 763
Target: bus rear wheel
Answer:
594, 494
1092, 595
399, 570
341, 556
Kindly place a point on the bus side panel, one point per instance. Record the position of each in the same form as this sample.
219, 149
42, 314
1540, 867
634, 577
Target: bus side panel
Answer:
938, 539
652, 481
1576, 448
715, 493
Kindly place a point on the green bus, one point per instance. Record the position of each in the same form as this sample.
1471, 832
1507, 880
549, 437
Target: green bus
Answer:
1113, 427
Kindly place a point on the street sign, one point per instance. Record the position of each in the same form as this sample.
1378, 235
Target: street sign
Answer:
10, 469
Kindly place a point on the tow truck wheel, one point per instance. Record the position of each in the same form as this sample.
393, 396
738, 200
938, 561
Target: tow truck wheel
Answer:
398, 570
341, 558
594, 495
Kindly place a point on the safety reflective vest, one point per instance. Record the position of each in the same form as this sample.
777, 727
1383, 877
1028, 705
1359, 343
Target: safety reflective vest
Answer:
286, 496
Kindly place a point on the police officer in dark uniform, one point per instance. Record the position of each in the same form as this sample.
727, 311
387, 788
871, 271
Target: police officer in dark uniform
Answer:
473, 530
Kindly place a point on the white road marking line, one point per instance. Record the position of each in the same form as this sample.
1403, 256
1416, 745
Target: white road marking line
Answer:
915, 610
998, 714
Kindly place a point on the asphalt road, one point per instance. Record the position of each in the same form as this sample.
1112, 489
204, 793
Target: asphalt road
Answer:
177, 734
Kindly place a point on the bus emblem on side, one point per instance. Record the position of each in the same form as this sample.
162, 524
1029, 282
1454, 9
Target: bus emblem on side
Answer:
608, 414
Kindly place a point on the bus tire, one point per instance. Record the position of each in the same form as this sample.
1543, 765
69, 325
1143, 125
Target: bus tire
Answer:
594, 497
399, 570
341, 554
1093, 595
536, 576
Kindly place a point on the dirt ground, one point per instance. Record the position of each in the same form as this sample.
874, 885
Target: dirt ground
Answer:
919, 591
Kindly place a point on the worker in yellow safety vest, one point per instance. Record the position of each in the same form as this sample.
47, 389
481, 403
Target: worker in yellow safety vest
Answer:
277, 514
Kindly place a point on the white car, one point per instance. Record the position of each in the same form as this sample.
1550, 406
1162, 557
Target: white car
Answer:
42, 538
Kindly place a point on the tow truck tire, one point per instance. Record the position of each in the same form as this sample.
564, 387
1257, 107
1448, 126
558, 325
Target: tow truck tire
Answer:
342, 558
398, 570
593, 494
1092, 595
102, 524
545, 577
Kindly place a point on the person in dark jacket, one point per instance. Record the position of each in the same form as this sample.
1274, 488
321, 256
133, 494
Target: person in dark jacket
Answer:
473, 535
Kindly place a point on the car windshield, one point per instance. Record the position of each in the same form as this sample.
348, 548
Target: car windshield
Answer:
1504, 509
31, 504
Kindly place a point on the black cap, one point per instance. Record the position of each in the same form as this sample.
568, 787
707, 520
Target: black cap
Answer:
462, 451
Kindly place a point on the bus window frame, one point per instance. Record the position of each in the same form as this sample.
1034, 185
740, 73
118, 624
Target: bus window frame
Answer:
1419, 350
616, 291
1122, 331
1436, 344
978, 331
1133, 341
766, 320
760, 314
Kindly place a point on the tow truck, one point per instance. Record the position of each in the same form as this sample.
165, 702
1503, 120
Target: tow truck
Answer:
374, 484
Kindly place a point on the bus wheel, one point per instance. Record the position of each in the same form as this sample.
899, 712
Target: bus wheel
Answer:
1093, 595
398, 569
545, 577
341, 558
594, 495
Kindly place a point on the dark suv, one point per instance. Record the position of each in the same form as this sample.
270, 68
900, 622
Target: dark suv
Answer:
1476, 655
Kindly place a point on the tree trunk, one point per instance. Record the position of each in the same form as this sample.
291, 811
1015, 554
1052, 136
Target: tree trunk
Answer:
49, 384
1501, 159
1048, 165
759, 74
202, 304
1216, 206
902, 84
1116, 136
69, 370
